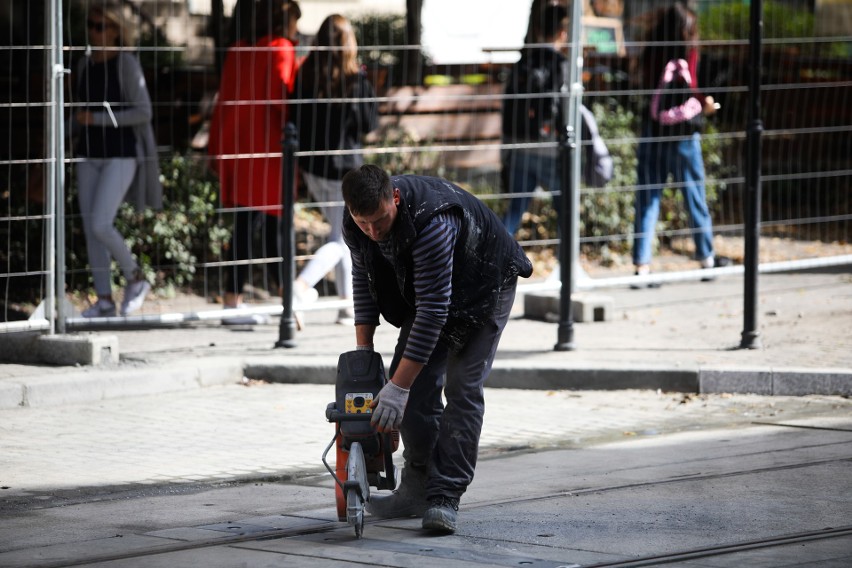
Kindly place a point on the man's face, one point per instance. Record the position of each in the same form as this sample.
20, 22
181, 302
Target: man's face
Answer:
378, 224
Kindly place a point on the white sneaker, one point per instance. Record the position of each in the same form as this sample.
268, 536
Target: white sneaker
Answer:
100, 309
303, 294
134, 296
249, 319
346, 316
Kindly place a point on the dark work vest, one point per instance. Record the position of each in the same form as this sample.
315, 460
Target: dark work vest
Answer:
486, 258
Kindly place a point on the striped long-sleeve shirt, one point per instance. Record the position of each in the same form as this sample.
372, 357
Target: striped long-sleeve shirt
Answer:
432, 253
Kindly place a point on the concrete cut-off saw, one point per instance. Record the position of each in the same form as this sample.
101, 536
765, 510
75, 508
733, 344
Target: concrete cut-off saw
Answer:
364, 456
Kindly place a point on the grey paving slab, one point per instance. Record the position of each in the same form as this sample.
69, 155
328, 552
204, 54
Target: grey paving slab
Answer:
825, 553
122, 511
224, 557
648, 520
60, 554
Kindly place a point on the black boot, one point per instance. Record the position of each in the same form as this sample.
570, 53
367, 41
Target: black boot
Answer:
407, 501
442, 514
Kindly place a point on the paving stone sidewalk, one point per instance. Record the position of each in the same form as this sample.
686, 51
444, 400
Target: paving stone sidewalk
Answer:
264, 430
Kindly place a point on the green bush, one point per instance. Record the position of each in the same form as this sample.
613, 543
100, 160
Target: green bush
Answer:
730, 20
419, 162
373, 30
609, 211
187, 229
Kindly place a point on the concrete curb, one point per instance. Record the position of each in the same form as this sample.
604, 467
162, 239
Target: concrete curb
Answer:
108, 382
777, 382
116, 381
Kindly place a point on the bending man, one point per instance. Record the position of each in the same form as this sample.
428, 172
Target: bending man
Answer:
434, 261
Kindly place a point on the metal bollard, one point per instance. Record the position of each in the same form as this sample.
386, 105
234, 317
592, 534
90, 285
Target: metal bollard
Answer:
750, 337
287, 327
565, 331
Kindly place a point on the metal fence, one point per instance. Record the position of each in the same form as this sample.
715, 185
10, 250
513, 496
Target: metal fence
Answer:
435, 119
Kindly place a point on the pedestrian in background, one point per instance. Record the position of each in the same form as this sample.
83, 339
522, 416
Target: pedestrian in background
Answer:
245, 138
336, 108
117, 154
671, 141
532, 113
434, 261
300, 41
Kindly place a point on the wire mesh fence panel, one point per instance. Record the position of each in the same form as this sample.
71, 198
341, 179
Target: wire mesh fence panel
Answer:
24, 162
805, 166
417, 94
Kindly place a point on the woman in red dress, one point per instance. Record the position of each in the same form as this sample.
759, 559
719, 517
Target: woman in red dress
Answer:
246, 131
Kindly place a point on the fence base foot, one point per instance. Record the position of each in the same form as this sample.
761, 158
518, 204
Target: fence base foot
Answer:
585, 307
750, 340
565, 337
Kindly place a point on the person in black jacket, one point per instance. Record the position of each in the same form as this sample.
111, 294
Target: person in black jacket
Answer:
335, 108
532, 116
433, 260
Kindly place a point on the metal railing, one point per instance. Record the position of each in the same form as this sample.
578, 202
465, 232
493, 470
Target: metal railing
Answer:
448, 127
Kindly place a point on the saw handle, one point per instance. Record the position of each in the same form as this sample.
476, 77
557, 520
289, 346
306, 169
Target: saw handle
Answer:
334, 415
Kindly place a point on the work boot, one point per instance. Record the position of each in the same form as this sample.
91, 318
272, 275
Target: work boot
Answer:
441, 515
407, 501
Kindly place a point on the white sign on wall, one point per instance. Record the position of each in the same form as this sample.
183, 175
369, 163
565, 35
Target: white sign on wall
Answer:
474, 31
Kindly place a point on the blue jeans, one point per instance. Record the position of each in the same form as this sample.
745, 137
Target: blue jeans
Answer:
446, 440
682, 159
526, 171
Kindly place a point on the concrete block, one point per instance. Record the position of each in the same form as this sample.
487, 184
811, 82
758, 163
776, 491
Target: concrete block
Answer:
546, 378
55, 390
308, 373
19, 347
11, 394
147, 382
735, 381
216, 372
809, 381
74, 349
585, 307
78, 349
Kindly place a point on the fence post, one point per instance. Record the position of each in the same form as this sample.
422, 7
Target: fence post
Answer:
750, 335
287, 327
565, 331
569, 180
54, 163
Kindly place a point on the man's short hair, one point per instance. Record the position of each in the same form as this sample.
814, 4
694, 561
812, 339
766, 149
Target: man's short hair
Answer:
366, 188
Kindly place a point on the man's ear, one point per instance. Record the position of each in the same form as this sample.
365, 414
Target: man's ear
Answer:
396, 196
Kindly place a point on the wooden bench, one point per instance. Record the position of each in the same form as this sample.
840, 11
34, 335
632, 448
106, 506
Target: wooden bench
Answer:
461, 122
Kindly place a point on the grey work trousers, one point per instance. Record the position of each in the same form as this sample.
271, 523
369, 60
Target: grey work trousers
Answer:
445, 440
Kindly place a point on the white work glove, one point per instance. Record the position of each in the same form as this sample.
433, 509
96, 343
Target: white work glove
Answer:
389, 407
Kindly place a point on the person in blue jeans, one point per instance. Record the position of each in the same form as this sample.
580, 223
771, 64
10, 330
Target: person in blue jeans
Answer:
683, 160
671, 139
532, 118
